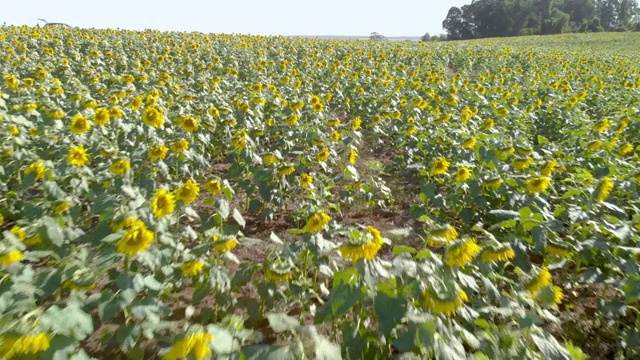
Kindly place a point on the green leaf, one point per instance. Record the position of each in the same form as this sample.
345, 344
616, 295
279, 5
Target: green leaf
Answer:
390, 311
417, 337
267, 352
237, 216
281, 322
403, 249
340, 301
223, 208
539, 235
51, 231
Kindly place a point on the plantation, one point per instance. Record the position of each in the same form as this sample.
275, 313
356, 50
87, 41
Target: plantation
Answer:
194, 196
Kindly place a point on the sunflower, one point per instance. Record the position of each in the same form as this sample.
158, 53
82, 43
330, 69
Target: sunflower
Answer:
557, 249
542, 279
522, 163
223, 246
101, 117
213, 186
192, 268
36, 168
214, 112
323, 155
335, 136
286, 171
316, 222
601, 125
22, 346
269, 159
508, 150
179, 146
78, 156
604, 188
10, 257
62, 207
469, 143
441, 235
355, 124
362, 246
625, 149
196, 344
79, 124
120, 167
499, 253
487, 124
306, 180
538, 184
157, 152
462, 174
549, 167
188, 192
138, 238
447, 306
189, 124
153, 117
461, 252
353, 156
440, 166
163, 203
594, 145
278, 277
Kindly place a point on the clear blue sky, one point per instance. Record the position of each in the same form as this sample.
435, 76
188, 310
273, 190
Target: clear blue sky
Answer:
265, 17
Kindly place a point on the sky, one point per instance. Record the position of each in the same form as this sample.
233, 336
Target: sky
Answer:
259, 17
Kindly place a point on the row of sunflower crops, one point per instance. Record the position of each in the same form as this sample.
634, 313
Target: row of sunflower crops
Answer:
142, 173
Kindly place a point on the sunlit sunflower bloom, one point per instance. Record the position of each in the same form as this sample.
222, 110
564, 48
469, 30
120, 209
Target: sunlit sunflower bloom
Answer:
278, 277
153, 117
101, 117
505, 151
269, 159
19, 347
522, 164
462, 174
214, 187
136, 103
138, 238
594, 145
286, 171
362, 247
444, 306
355, 124
213, 112
442, 235
556, 249
549, 167
14, 131
625, 149
179, 146
469, 143
36, 168
542, 279
157, 152
501, 253
79, 124
163, 203
18, 232
189, 124
538, 184
62, 207
120, 167
440, 166
188, 192
115, 112
604, 188
323, 155
239, 140
78, 156
223, 246
601, 126
316, 222
10, 257
487, 124
306, 180
557, 294
196, 344
192, 268
461, 252
335, 136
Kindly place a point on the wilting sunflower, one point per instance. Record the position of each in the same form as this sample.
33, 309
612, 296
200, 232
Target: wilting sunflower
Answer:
542, 279
221, 246
503, 252
36, 168
461, 252
362, 245
316, 222
604, 188
538, 184
442, 235
120, 167
192, 268
447, 304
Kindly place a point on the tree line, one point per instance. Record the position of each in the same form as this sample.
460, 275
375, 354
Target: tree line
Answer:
500, 18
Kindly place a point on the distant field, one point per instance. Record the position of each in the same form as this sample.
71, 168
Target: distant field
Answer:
194, 196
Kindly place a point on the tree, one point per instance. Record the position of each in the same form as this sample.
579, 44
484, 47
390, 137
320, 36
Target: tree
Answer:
456, 26
376, 36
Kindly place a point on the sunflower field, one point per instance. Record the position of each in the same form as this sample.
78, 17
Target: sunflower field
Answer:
170, 195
